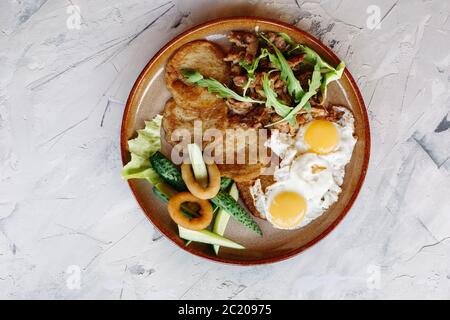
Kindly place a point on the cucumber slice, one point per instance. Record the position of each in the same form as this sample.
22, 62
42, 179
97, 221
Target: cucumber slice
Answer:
222, 217
167, 171
207, 236
225, 182
198, 164
225, 201
165, 189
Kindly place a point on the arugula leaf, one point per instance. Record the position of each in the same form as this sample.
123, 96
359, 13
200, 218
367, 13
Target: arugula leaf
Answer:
331, 73
274, 60
247, 85
141, 148
214, 86
287, 75
251, 68
330, 77
313, 57
293, 45
314, 84
288, 39
310, 55
272, 101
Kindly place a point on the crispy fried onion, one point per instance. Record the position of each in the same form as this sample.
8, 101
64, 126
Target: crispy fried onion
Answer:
195, 188
194, 223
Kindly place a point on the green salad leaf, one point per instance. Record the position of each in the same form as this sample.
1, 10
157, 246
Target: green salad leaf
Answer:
141, 148
293, 45
331, 73
214, 86
330, 77
251, 68
312, 57
314, 85
272, 101
294, 87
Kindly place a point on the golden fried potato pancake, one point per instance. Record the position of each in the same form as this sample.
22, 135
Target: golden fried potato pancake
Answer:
246, 196
203, 56
241, 172
214, 117
176, 117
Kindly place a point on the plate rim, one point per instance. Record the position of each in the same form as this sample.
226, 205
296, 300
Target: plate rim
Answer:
335, 60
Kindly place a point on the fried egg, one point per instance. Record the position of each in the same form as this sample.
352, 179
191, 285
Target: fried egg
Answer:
309, 177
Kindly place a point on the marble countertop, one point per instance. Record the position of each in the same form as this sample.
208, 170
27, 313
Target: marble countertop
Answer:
69, 226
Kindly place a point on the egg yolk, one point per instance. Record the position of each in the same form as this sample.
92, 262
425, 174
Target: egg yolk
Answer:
287, 209
321, 136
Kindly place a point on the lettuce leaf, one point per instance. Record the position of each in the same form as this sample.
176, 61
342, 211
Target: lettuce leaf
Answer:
141, 149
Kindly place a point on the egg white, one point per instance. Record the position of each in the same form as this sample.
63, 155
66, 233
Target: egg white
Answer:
295, 171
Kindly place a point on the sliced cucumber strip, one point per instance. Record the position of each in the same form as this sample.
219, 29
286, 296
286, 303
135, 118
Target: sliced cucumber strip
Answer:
222, 217
198, 164
206, 236
225, 201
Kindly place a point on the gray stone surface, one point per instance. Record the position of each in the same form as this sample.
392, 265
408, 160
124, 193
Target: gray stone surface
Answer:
66, 215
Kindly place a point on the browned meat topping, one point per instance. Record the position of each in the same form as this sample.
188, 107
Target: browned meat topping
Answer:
240, 81
238, 107
246, 40
236, 69
334, 115
278, 41
235, 55
295, 61
317, 112
285, 127
304, 78
282, 126
277, 82
256, 118
283, 96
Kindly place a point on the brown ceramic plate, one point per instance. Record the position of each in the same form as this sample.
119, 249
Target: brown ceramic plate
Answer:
147, 98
